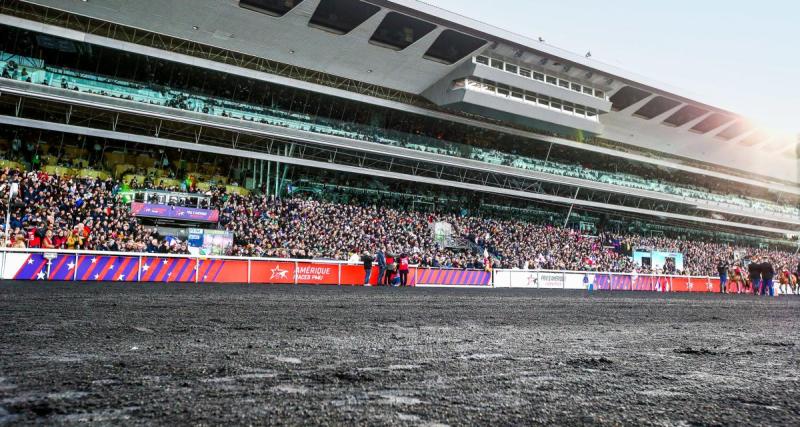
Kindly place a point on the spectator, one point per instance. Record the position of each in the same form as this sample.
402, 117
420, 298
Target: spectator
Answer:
402, 269
367, 259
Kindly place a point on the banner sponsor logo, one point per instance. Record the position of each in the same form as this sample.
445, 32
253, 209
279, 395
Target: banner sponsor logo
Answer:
314, 273
174, 212
551, 280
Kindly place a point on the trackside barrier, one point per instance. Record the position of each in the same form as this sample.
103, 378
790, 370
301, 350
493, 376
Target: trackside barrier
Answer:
547, 279
88, 266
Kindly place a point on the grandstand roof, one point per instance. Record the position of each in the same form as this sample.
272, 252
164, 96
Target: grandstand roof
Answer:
358, 40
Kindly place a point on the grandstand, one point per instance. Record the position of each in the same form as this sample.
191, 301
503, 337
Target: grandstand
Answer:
218, 136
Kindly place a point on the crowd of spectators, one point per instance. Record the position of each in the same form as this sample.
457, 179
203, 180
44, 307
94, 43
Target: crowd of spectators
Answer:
59, 212
52, 212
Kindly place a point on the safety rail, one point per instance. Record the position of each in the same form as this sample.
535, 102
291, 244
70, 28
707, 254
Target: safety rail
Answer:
77, 265
603, 281
89, 266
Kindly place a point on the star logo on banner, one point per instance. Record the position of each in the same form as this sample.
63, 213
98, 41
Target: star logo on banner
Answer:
70, 266
121, 277
165, 262
94, 260
30, 261
169, 274
145, 267
278, 273
111, 267
40, 276
205, 276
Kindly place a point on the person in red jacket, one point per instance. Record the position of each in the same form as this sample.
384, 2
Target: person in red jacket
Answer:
391, 269
402, 269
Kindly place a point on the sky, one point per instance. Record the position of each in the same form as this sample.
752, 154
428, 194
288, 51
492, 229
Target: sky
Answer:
740, 55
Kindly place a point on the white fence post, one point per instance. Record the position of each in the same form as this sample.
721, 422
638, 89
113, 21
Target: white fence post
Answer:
139, 270
249, 271
340, 274
295, 272
75, 271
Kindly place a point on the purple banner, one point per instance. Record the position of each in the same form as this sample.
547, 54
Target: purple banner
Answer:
174, 212
450, 277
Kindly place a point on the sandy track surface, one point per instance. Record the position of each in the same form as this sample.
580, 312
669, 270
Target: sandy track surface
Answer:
187, 354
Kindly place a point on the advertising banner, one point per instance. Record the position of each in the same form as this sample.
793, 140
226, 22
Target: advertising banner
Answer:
272, 272
450, 277
168, 270
529, 279
149, 210
222, 271
86, 266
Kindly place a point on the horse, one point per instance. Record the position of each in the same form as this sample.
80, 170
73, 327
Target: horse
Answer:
788, 281
740, 279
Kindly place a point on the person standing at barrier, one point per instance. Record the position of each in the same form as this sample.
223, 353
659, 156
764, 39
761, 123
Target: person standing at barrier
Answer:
767, 275
380, 258
367, 259
391, 269
754, 270
722, 270
402, 269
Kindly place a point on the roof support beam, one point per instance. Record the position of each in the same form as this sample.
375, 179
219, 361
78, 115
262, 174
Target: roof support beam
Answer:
305, 9
419, 47
667, 114
741, 137
635, 107
368, 27
696, 121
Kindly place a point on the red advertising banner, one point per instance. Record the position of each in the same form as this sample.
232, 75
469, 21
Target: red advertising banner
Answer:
319, 274
272, 272
222, 271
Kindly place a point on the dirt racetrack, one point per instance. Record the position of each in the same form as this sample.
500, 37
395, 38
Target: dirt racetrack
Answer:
212, 355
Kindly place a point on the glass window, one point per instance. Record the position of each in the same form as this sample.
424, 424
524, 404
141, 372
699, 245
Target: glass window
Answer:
580, 111
563, 83
576, 87
591, 112
503, 90
552, 80
511, 68
587, 90
544, 100
517, 95
600, 94
524, 72
555, 104
530, 98
482, 60
538, 76
497, 64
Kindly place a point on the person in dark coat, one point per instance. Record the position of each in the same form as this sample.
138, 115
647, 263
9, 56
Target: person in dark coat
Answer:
380, 259
767, 275
754, 271
367, 259
722, 270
